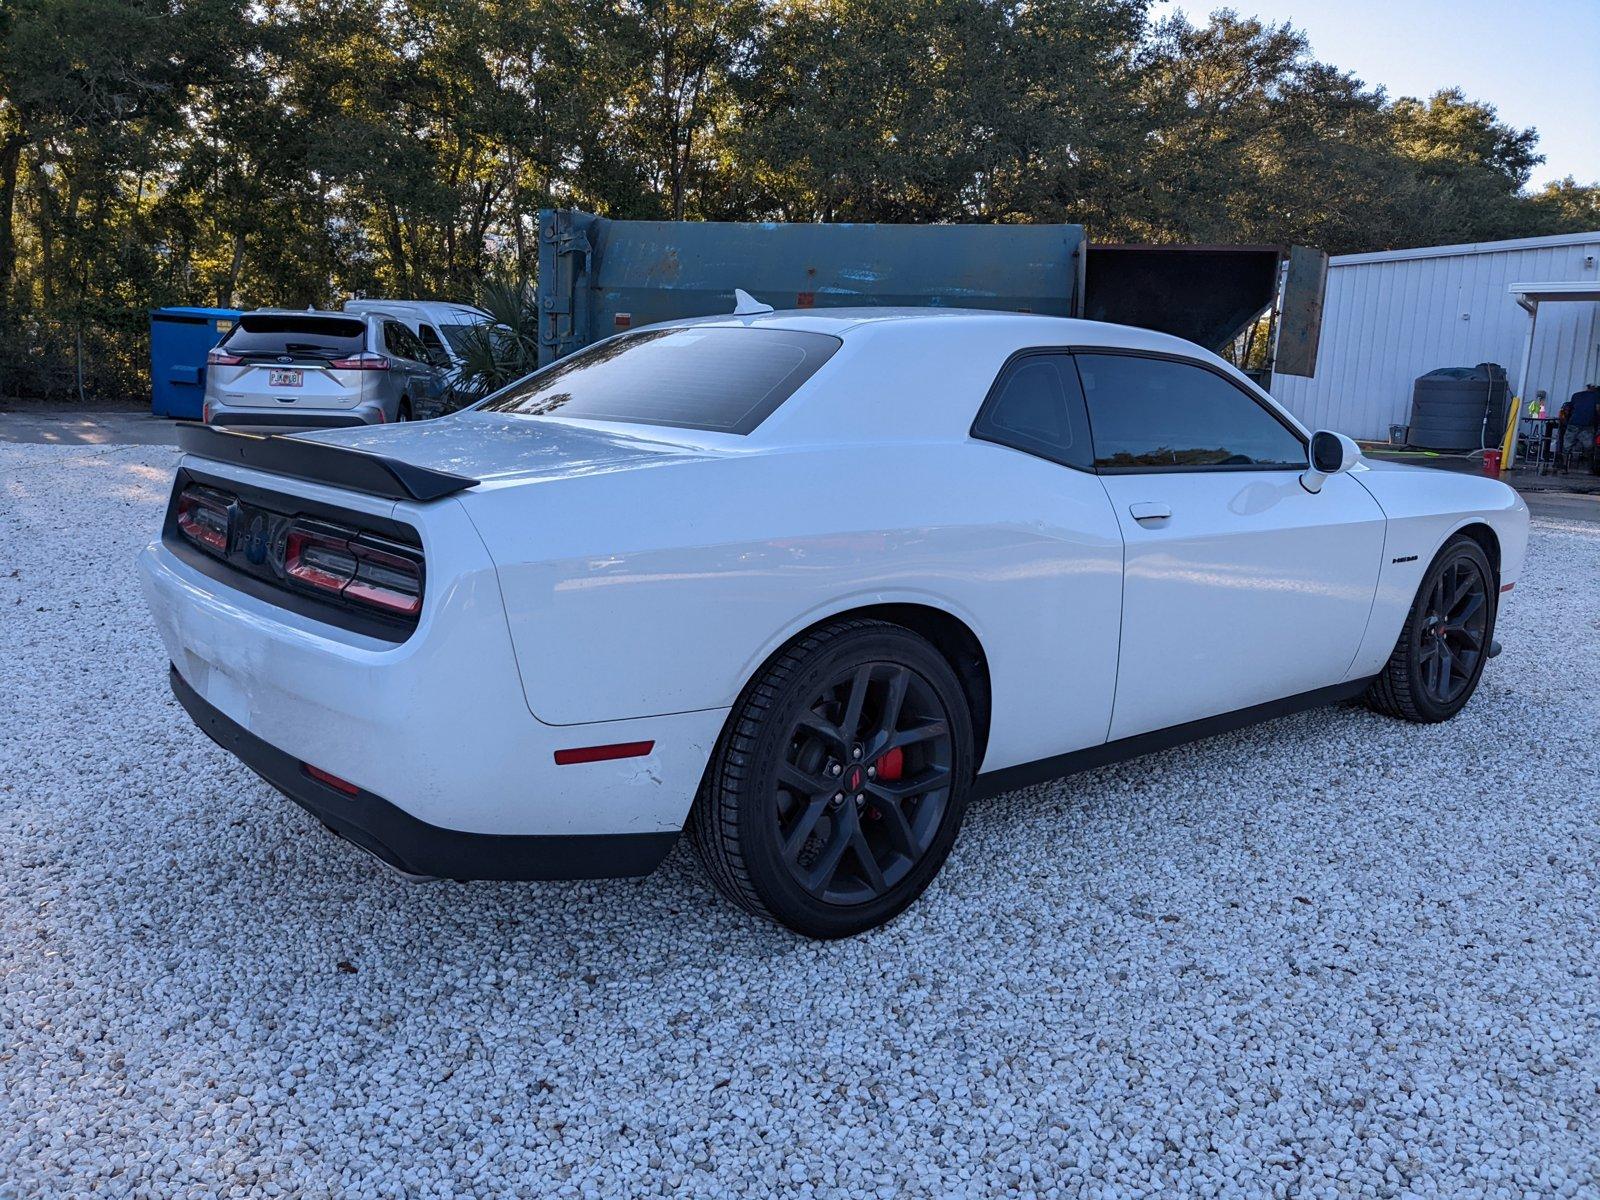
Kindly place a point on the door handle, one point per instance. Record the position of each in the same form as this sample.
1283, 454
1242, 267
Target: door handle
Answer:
1147, 510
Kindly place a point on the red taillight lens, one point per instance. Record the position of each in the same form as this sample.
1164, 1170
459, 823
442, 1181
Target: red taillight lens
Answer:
221, 358
367, 360
385, 580
318, 560
344, 565
203, 518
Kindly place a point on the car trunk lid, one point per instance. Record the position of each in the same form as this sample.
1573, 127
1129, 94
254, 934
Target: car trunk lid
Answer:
497, 449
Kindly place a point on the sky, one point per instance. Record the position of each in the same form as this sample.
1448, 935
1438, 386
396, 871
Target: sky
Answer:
1536, 61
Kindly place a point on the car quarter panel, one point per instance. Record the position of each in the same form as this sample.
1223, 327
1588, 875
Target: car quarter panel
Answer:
436, 725
1424, 507
661, 591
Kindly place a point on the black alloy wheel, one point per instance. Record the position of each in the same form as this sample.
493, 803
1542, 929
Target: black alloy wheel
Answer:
1439, 659
838, 786
1453, 634
864, 782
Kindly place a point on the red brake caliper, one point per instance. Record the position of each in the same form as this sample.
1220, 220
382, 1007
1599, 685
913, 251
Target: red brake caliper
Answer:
892, 765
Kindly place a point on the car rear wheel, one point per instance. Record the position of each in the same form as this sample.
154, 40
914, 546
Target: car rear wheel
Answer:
1439, 658
838, 786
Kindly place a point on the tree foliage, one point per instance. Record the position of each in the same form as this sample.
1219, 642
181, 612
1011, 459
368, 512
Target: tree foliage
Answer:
298, 151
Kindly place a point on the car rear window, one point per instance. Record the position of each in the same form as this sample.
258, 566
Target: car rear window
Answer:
290, 333
727, 380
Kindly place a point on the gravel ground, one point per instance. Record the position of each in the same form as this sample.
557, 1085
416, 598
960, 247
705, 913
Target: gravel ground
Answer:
1200, 973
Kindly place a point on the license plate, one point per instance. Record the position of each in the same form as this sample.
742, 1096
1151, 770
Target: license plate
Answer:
280, 378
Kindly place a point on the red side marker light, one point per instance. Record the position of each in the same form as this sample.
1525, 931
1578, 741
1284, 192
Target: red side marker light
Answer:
329, 779
1506, 587
589, 754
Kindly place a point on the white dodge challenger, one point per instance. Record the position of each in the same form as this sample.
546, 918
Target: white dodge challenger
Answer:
800, 584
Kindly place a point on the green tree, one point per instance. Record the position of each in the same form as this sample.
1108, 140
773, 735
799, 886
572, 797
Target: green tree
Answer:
300, 151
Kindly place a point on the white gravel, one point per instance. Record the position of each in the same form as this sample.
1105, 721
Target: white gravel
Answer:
1333, 955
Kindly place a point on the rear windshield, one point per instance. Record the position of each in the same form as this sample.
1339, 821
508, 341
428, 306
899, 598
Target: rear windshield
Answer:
290, 333
724, 380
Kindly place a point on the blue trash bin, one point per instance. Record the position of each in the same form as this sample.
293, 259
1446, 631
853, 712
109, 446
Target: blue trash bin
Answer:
180, 338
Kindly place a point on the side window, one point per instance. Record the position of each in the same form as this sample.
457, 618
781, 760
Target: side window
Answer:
401, 341
1154, 413
1036, 406
433, 346
392, 340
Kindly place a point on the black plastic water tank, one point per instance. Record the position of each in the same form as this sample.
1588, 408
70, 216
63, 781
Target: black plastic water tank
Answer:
1459, 408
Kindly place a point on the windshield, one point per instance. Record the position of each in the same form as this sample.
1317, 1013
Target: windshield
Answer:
727, 380
457, 335
291, 333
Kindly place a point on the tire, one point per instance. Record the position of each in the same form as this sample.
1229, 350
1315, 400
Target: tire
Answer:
791, 739
403, 413
1456, 648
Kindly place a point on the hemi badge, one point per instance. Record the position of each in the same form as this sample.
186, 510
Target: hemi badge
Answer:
1405, 558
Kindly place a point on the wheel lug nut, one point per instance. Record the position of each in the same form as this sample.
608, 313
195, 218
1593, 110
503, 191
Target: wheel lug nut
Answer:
856, 753
872, 772
835, 769
838, 798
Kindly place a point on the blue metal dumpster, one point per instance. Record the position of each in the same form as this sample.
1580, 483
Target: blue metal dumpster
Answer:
180, 338
598, 276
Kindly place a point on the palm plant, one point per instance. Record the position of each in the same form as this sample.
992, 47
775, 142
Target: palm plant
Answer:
505, 348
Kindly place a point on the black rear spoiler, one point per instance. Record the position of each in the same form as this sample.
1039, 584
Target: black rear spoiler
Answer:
320, 462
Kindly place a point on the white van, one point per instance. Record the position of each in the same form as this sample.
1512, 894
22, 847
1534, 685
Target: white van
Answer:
440, 325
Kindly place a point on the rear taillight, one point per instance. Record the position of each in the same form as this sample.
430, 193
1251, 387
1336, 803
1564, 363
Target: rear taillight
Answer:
384, 580
338, 563
367, 360
318, 560
203, 518
221, 358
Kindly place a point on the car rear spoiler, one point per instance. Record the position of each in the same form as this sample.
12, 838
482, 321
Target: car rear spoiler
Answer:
322, 462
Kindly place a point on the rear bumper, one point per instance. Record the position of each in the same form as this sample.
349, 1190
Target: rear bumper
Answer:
436, 725
414, 847
243, 418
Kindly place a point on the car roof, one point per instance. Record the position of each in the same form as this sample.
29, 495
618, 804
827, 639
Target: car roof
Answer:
315, 313
433, 310
1029, 327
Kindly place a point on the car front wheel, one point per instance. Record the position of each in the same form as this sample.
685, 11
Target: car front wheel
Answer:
1436, 664
838, 787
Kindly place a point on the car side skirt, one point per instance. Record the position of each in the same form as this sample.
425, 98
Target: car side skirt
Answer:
1007, 779
416, 848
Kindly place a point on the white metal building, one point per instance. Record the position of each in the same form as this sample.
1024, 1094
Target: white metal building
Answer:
1392, 316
